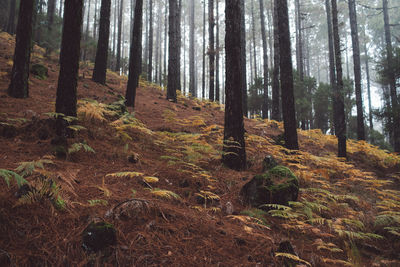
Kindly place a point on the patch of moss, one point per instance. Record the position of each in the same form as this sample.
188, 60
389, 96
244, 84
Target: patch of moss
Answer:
40, 71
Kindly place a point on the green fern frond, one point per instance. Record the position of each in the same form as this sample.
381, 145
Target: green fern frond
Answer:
151, 179
76, 128
96, 202
125, 174
257, 214
8, 175
28, 167
164, 193
276, 207
76, 147
292, 257
357, 235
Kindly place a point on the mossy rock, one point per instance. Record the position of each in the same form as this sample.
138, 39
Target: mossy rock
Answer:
269, 162
277, 186
98, 236
40, 71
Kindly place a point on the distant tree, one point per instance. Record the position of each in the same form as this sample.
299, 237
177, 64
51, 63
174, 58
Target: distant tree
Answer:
150, 62
120, 20
357, 69
217, 54
276, 104
211, 49
19, 86
323, 107
286, 72
243, 58
173, 51
340, 121
100, 65
11, 17
192, 89
265, 62
69, 59
203, 82
234, 153
51, 9
135, 57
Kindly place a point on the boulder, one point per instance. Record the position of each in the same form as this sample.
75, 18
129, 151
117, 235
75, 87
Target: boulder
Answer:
40, 71
98, 236
269, 162
276, 186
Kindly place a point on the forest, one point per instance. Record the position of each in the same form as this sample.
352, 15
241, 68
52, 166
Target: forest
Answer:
199, 133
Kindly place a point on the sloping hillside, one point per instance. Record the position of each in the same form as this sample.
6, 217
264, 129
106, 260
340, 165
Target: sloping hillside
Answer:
155, 175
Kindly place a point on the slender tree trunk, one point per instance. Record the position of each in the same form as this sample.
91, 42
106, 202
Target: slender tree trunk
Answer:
286, 71
51, 9
19, 86
115, 32
276, 110
203, 91
95, 21
173, 47
392, 79
243, 58
332, 70
211, 49
265, 61
340, 126
253, 21
69, 58
121, 8
60, 8
135, 58
158, 46
300, 65
86, 36
217, 89
191, 52
184, 56
371, 124
150, 65
100, 65
165, 41
357, 69
234, 155
179, 41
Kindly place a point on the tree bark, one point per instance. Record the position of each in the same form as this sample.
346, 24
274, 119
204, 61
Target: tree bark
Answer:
392, 79
211, 49
165, 41
135, 57
253, 21
286, 71
19, 86
217, 55
150, 65
192, 90
265, 62
357, 69
234, 155
340, 127
173, 51
203, 89
121, 8
86, 35
69, 58
100, 65
300, 65
276, 104
332, 70
243, 58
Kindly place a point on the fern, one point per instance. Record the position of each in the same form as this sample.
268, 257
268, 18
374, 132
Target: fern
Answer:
165, 194
125, 174
358, 235
257, 214
76, 147
8, 175
96, 202
28, 167
76, 128
292, 257
56, 115
150, 179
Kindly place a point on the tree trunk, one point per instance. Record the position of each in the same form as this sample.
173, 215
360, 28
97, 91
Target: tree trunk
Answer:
203, 90
340, 127
135, 57
165, 41
357, 69
234, 155
217, 49
392, 79
173, 51
371, 124
100, 65
51, 9
300, 65
115, 32
150, 65
158, 46
276, 106
332, 70
11, 18
243, 58
19, 86
86, 35
121, 8
192, 90
69, 58
60, 8
95, 21
211, 49
265, 61
286, 71
253, 21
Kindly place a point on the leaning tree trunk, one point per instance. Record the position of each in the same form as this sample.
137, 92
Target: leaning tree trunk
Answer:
173, 51
100, 65
150, 65
286, 71
19, 86
135, 57
234, 153
243, 58
276, 110
11, 18
357, 70
118, 65
192, 90
211, 49
265, 63
340, 127
69, 58
392, 79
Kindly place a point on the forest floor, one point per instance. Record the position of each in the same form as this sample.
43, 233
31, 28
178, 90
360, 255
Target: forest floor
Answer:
158, 179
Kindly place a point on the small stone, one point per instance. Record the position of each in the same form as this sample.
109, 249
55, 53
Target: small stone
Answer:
269, 162
98, 236
229, 208
133, 158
